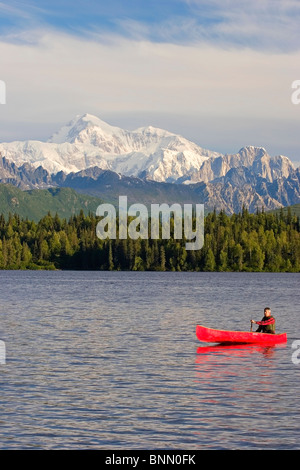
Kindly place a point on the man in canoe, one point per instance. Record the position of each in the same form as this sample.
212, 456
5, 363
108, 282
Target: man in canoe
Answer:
267, 324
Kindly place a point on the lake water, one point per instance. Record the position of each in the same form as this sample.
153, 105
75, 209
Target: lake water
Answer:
110, 360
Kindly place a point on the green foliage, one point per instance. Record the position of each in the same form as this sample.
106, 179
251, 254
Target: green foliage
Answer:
241, 242
37, 202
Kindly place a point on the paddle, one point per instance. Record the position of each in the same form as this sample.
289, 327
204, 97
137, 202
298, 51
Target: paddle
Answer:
251, 325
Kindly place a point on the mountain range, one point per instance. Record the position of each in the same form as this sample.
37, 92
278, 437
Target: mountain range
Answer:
149, 165
88, 142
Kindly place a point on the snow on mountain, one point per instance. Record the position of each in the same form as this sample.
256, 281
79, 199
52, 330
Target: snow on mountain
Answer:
88, 141
87, 127
255, 158
146, 152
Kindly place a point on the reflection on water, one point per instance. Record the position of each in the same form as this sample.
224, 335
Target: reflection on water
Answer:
111, 361
240, 395
233, 363
239, 350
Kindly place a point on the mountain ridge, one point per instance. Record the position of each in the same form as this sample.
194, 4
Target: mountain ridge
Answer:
239, 188
152, 165
87, 141
148, 152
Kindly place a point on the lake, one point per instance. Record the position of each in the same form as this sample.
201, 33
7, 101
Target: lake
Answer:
110, 360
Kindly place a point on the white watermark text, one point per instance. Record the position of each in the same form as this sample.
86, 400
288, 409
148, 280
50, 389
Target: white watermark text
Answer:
133, 222
296, 353
296, 94
2, 92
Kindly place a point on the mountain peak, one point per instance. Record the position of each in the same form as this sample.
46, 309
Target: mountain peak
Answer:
87, 141
71, 131
151, 130
253, 151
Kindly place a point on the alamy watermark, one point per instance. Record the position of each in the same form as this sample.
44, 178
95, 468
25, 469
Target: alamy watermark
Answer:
2, 352
2, 92
296, 353
296, 94
188, 222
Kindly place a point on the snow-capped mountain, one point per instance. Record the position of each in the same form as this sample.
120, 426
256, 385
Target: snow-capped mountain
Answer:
148, 153
87, 141
239, 188
255, 158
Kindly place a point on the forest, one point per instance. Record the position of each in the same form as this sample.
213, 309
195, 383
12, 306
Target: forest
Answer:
240, 242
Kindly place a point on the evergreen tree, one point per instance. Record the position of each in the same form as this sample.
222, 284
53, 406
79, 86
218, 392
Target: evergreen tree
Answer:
251, 242
110, 257
162, 258
210, 263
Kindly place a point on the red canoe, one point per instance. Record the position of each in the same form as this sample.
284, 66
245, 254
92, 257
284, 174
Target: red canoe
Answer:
208, 335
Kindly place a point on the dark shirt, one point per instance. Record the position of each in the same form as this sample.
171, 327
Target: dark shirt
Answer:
266, 325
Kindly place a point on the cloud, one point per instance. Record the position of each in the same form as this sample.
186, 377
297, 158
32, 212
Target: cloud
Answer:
138, 74
217, 71
51, 76
266, 25
16, 16
269, 25
11, 10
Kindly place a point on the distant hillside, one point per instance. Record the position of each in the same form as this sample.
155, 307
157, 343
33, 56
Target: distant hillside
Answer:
295, 209
240, 187
36, 203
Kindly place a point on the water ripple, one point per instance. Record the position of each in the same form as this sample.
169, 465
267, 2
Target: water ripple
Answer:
111, 361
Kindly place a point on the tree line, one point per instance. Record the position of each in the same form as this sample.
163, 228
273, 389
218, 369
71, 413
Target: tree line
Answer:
240, 242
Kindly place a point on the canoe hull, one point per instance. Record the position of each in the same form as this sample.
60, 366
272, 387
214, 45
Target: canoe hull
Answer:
209, 335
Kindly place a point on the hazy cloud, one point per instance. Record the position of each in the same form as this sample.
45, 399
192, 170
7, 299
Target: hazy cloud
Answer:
271, 25
220, 70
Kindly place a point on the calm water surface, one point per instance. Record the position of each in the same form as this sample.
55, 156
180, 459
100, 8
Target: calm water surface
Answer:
111, 361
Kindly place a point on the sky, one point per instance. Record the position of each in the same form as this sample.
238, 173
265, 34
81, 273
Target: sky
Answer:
218, 72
